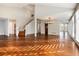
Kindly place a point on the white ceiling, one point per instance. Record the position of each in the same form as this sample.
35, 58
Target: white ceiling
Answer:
20, 5
60, 11
63, 5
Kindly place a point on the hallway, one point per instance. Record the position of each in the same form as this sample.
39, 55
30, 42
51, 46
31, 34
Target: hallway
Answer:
61, 45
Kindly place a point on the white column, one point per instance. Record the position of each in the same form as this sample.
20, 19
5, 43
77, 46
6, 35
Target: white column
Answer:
35, 23
35, 27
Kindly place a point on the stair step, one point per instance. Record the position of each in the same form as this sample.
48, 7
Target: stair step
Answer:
21, 34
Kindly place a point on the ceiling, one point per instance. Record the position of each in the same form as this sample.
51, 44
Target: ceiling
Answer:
19, 5
58, 11
63, 5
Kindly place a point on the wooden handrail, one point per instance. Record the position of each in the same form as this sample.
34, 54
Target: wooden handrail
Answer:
27, 23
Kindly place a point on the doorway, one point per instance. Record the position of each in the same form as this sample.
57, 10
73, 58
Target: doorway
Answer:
12, 28
46, 29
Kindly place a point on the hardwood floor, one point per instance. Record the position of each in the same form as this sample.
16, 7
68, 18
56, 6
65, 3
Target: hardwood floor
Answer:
41, 46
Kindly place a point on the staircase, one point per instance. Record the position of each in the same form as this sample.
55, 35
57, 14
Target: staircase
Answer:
22, 27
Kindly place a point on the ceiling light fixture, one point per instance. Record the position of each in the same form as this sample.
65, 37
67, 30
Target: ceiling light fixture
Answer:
49, 20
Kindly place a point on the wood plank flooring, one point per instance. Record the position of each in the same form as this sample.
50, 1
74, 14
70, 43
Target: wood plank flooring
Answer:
40, 46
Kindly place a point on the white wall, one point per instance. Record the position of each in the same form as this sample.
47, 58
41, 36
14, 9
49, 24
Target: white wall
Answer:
21, 15
2, 32
3, 27
30, 28
6, 27
53, 29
